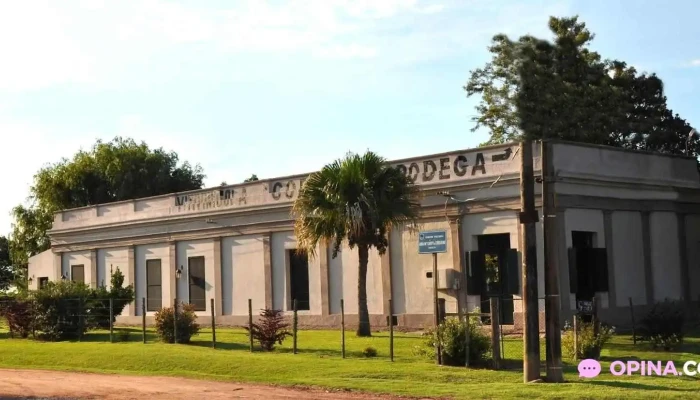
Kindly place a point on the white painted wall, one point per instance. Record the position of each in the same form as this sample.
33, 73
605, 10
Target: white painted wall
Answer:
692, 227
628, 258
77, 258
41, 266
196, 248
153, 252
280, 243
243, 257
665, 257
345, 266
108, 260
412, 291
590, 221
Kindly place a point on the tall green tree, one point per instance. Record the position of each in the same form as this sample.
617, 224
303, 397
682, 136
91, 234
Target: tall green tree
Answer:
6, 270
354, 199
562, 89
121, 169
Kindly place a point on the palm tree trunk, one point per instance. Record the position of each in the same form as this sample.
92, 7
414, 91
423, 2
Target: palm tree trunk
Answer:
363, 329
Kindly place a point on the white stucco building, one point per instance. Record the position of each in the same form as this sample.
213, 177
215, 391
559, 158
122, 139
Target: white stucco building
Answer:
237, 242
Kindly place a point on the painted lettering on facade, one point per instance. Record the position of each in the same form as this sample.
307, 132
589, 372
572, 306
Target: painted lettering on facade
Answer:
457, 166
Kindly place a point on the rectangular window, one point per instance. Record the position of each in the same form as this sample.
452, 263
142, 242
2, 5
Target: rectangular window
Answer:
198, 293
299, 279
77, 273
154, 293
43, 281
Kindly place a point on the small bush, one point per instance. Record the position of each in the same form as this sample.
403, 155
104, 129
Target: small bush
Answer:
589, 344
452, 335
663, 326
270, 330
186, 324
19, 315
121, 296
369, 352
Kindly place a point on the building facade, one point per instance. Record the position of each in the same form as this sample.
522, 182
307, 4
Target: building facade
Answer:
627, 229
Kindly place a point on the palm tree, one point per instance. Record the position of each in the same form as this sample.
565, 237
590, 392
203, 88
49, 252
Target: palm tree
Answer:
357, 199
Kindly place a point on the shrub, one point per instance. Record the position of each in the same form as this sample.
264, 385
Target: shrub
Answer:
121, 297
663, 326
186, 324
452, 335
62, 310
369, 352
589, 344
271, 329
19, 315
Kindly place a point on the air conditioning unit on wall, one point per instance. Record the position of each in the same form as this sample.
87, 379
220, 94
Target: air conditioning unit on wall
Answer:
447, 278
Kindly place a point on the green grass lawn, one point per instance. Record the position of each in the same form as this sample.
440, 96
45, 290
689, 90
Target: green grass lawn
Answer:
319, 363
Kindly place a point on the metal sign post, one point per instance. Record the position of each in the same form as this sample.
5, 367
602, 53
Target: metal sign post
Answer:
434, 242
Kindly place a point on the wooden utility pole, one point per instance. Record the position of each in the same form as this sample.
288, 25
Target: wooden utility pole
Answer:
528, 246
552, 305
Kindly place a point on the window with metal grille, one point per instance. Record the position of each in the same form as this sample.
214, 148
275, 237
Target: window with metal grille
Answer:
198, 293
154, 293
43, 281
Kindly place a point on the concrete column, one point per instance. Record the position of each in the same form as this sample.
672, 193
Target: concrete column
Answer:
648, 273
563, 264
323, 264
93, 268
683, 249
216, 280
608, 229
458, 261
386, 276
130, 279
267, 269
57, 266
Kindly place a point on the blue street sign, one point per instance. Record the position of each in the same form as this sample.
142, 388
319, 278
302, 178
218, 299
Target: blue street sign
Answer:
432, 242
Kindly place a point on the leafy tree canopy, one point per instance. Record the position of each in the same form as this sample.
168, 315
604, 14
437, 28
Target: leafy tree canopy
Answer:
252, 178
121, 169
6, 273
562, 89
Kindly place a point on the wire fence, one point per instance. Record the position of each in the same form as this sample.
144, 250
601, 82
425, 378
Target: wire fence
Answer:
499, 320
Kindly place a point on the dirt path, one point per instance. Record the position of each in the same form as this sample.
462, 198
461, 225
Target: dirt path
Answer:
33, 384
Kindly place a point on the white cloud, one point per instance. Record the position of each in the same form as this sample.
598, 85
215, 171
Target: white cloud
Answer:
694, 63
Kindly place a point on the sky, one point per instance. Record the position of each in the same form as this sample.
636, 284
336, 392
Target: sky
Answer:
275, 88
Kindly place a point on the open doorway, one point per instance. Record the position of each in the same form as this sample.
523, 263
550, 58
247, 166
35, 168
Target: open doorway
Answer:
588, 270
299, 279
495, 271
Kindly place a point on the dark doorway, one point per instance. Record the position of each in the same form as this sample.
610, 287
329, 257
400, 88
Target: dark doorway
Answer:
77, 273
588, 270
198, 294
299, 279
500, 274
43, 281
585, 278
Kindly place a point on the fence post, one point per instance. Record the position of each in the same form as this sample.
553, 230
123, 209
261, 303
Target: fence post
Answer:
111, 316
596, 323
634, 327
175, 320
391, 331
294, 327
81, 318
143, 318
495, 332
467, 337
250, 323
342, 327
213, 326
575, 337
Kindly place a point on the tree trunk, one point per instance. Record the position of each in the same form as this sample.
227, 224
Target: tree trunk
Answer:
363, 329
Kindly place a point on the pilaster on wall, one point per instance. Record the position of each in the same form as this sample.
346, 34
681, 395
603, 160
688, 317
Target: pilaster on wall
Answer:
267, 269
130, 278
57, 266
323, 265
218, 305
386, 276
648, 273
93, 268
170, 293
458, 261
608, 229
683, 251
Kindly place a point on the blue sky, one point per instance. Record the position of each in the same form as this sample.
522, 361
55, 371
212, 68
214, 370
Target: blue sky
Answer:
277, 88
